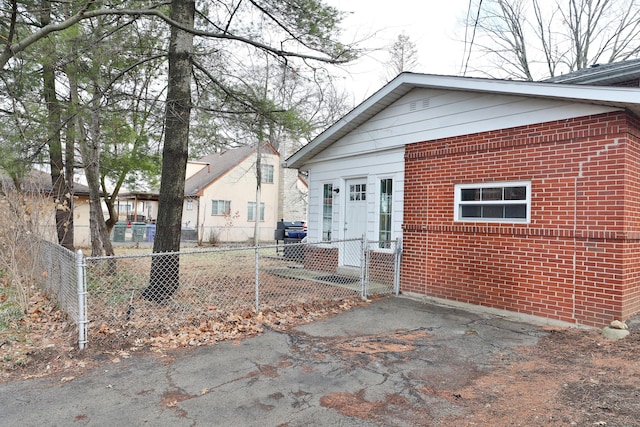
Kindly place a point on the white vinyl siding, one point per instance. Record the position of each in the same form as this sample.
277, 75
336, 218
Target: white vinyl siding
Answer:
428, 114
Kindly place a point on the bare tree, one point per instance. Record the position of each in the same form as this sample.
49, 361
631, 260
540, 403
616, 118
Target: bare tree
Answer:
403, 56
533, 39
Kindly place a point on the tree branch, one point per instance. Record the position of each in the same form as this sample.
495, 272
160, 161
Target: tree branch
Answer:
12, 49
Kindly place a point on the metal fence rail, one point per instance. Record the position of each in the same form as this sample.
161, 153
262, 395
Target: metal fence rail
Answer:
135, 299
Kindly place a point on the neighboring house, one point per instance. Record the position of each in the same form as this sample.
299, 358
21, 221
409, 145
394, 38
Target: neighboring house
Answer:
293, 196
137, 206
38, 190
522, 196
623, 74
293, 187
220, 195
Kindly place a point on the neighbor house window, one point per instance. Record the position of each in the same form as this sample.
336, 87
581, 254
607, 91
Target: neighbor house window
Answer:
386, 187
501, 202
220, 207
189, 205
251, 211
266, 174
327, 211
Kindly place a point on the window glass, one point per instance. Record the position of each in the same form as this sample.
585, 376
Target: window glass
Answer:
357, 192
470, 194
515, 193
266, 174
491, 193
251, 211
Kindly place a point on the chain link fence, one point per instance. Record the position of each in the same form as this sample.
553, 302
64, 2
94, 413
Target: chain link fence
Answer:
59, 276
133, 300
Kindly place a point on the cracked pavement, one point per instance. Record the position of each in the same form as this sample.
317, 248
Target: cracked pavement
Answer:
396, 361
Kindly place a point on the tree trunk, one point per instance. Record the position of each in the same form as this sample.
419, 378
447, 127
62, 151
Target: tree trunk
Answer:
100, 242
90, 152
256, 226
61, 189
164, 277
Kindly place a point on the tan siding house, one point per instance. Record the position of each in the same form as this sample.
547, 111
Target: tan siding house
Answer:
220, 195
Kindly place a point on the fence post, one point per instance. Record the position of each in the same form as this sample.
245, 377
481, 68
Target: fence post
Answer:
396, 266
257, 274
363, 266
82, 300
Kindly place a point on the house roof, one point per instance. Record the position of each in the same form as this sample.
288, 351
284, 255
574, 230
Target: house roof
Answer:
602, 74
217, 164
620, 97
36, 181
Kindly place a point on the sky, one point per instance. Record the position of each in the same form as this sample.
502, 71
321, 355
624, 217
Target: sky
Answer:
435, 28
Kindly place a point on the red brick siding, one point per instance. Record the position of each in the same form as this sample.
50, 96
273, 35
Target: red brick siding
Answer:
572, 262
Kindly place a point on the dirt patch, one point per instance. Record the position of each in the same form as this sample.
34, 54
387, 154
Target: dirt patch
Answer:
570, 378
386, 411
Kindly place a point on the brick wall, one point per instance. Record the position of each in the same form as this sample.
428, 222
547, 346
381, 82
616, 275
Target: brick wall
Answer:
576, 261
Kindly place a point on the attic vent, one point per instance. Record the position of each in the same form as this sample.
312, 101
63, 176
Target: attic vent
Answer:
423, 103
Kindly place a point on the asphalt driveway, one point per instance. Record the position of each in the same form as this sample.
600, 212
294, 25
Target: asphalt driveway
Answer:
394, 362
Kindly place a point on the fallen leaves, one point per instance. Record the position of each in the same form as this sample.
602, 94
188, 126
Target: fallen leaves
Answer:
44, 342
166, 328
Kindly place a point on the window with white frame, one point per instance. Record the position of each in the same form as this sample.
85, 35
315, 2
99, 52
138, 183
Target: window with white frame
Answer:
189, 206
220, 207
266, 174
327, 211
386, 192
497, 202
251, 211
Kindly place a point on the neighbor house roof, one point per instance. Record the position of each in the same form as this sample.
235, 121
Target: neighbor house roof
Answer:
615, 73
217, 164
36, 181
405, 82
